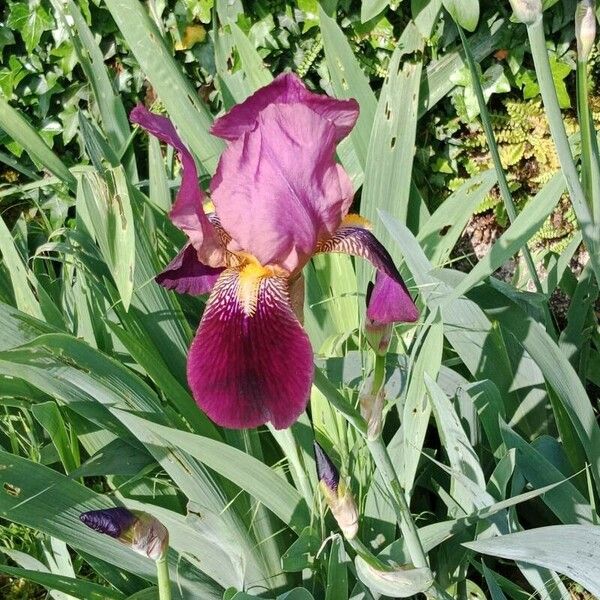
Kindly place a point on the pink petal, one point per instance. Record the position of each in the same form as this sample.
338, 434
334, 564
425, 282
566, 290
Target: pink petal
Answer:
278, 190
286, 88
246, 368
187, 212
390, 300
187, 275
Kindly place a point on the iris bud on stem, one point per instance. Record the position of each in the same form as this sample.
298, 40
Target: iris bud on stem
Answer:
372, 402
585, 29
527, 11
338, 496
142, 532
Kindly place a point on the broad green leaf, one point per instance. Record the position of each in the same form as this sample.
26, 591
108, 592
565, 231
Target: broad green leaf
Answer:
76, 588
30, 21
416, 411
255, 70
464, 12
349, 81
337, 572
401, 583
371, 8
20, 130
108, 205
546, 547
49, 417
190, 116
391, 146
20, 275
244, 470
461, 455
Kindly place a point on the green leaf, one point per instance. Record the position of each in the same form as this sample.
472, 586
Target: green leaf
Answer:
545, 547
77, 588
20, 275
371, 8
337, 572
190, 116
464, 12
30, 21
16, 127
391, 146
38, 497
111, 221
244, 470
349, 81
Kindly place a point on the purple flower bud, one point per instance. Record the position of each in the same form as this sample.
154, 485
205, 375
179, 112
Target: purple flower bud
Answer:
326, 470
338, 496
110, 521
140, 531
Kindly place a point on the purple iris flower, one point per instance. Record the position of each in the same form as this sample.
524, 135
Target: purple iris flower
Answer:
279, 197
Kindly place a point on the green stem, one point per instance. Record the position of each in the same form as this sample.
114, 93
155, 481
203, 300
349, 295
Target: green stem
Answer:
384, 465
378, 374
590, 171
589, 231
367, 555
493, 146
164, 584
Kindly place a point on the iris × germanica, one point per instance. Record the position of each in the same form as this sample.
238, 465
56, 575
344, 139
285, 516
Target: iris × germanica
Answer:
279, 197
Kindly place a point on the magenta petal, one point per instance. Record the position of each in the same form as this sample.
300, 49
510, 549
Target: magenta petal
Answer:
278, 190
390, 299
187, 275
187, 212
286, 88
246, 368
390, 302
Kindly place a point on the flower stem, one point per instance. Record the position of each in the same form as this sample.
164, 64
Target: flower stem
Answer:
589, 231
590, 171
493, 146
384, 465
164, 584
378, 374
367, 555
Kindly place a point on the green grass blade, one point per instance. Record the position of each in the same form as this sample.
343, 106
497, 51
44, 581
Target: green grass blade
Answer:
76, 588
391, 146
244, 470
349, 81
190, 116
589, 229
19, 129
493, 147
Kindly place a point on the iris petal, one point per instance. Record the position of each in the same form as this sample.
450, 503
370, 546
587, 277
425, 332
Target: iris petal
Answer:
286, 88
187, 275
278, 191
187, 212
390, 301
251, 361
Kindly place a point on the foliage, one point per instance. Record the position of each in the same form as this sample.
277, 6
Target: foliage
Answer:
490, 422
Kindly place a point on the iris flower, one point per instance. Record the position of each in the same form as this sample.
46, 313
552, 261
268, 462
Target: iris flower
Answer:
279, 197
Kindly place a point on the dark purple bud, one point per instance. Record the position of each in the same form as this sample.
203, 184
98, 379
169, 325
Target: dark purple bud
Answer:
111, 521
326, 470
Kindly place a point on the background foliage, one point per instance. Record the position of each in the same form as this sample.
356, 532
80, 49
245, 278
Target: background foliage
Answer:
491, 415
